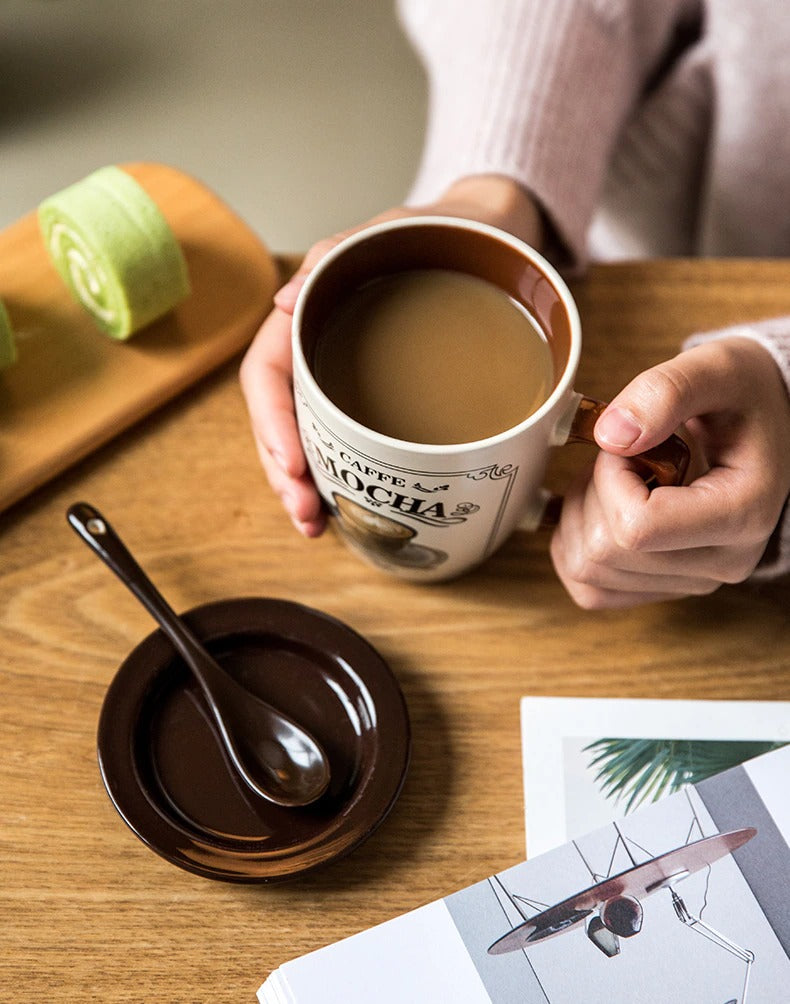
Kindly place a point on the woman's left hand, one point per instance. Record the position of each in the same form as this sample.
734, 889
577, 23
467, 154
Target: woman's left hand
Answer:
618, 544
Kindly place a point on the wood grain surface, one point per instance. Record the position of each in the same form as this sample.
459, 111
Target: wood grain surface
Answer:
88, 912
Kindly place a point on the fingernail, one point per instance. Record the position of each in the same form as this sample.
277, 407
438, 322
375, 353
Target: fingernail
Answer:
285, 298
279, 459
305, 527
312, 529
618, 428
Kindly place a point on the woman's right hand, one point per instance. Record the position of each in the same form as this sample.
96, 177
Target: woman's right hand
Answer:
266, 372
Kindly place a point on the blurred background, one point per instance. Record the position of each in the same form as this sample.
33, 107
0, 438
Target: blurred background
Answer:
306, 117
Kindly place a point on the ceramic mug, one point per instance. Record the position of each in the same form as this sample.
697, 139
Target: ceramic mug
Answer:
431, 512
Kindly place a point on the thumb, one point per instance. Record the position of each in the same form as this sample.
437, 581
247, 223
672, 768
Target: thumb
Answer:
285, 297
657, 402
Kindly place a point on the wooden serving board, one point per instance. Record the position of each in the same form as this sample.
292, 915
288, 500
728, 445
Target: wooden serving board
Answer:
72, 387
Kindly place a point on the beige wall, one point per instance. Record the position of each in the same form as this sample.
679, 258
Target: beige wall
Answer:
305, 115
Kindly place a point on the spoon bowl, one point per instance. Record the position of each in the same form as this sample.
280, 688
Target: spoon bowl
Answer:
274, 756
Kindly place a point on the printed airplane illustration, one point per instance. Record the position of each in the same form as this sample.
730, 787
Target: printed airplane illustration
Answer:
612, 909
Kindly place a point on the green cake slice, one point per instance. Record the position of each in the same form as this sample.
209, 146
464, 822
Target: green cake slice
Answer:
114, 249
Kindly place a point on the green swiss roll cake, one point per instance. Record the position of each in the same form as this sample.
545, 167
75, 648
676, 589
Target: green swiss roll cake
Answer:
7, 340
115, 251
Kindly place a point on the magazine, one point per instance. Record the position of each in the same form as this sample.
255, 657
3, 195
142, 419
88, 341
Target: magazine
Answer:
587, 761
684, 900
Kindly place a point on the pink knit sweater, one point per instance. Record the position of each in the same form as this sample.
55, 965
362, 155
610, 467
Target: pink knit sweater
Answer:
643, 128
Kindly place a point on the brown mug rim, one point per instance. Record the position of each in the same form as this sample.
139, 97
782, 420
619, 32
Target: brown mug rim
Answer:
563, 383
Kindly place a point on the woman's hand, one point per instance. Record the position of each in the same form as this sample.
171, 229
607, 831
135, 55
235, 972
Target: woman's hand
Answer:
266, 372
618, 545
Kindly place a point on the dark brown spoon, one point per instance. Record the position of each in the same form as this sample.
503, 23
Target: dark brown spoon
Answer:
279, 761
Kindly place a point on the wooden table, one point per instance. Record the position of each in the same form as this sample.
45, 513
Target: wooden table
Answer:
88, 912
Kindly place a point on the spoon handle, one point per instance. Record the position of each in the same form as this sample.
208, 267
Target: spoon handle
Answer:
99, 535
276, 757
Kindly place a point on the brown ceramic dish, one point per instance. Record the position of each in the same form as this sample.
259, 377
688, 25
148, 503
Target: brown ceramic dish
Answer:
166, 772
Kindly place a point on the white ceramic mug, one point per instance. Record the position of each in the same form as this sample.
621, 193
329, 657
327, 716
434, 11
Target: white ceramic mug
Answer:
429, 512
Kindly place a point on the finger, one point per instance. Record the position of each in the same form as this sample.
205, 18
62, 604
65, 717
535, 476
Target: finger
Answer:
660, 400
298, 496
594, 555
266, 377
592, 598
586, 556
266, 380
722, 508
285, 298
577, 569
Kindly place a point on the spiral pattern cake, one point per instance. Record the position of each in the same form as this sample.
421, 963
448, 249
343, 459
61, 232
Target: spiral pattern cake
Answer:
115, 251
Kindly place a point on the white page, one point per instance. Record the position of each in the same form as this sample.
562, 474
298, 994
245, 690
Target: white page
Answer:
441, 952
416, 957
561, 799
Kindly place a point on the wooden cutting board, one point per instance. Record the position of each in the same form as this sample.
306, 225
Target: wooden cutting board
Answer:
73, 388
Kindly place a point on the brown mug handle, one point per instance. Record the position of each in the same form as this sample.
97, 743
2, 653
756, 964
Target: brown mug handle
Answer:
663, 465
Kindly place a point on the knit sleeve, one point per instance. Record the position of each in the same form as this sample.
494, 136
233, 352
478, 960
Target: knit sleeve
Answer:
536, 90
774, 336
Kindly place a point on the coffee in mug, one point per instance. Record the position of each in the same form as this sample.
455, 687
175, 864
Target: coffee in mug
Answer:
434, 362
433, 356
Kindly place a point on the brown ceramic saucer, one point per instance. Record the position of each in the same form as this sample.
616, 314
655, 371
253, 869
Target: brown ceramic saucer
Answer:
168, 776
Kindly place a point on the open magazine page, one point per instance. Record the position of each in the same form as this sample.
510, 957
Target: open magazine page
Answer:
684, 900
587, 761
419, 956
